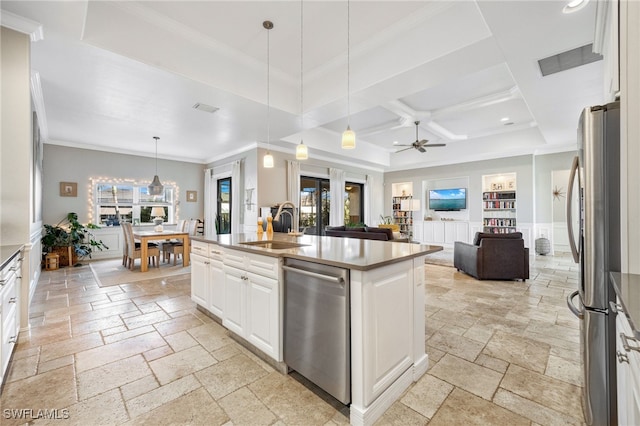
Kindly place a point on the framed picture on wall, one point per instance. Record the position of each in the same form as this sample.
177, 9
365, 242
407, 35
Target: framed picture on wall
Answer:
192, 196
68, 189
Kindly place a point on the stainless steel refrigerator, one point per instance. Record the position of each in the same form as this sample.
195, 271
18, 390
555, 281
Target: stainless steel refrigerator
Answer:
594, 238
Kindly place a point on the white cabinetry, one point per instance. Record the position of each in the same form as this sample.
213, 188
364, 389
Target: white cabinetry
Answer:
207, 277
628, 372
9, 311
445, 232
252, 300
243, 290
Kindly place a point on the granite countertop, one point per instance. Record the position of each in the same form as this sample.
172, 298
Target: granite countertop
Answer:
627, 287
9, 252
352, 253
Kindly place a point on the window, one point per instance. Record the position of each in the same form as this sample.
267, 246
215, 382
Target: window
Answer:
124, 202
353, 203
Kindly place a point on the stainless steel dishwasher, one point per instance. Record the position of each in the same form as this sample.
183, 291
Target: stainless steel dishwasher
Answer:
317, 338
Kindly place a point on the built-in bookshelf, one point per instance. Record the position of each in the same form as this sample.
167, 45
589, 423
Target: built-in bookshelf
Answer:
499, 204
403, 218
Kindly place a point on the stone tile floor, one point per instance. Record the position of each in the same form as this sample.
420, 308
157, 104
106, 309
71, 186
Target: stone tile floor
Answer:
501, 353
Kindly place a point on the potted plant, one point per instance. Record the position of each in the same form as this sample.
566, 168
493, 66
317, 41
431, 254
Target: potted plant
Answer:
71, 238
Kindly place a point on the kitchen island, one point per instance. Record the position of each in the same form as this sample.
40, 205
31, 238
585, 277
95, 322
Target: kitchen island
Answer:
240, 279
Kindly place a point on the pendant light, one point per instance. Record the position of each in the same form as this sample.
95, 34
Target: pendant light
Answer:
267, 160
155, 187
301, 150
348, 136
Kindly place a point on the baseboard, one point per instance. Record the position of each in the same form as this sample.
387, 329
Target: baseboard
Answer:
368, 415
420, 367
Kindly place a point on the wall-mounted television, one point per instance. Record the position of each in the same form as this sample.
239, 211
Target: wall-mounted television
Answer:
451, 199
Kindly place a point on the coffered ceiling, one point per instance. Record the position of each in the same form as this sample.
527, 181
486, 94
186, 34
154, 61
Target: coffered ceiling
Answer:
114, 74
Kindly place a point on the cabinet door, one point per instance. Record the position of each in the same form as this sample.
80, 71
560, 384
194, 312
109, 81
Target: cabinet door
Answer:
234, 315
199, 280
461, 232
216, 288
263, 314
628, 375
438, 232
449, 232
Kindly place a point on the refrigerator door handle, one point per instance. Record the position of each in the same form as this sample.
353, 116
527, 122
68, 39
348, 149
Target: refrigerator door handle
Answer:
572, 307
572, 240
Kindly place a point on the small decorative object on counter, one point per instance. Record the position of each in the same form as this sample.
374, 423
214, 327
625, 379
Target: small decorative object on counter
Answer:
269, 225
543, 246
260, 230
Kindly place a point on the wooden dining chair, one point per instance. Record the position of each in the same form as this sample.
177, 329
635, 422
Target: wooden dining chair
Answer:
178, 248
134, 250
181, 226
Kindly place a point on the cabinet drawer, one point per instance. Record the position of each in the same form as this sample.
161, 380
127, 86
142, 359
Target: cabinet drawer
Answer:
215, 252
262, 265
235, 258
633, 357
198, 247
9, 299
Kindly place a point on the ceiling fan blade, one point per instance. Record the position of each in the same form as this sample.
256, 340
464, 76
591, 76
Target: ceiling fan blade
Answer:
403, 149
435, 144
421, 149
423, 141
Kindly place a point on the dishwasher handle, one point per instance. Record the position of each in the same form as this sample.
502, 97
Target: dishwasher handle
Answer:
337, 280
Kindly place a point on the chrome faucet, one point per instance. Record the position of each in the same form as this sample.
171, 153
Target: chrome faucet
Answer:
294, 216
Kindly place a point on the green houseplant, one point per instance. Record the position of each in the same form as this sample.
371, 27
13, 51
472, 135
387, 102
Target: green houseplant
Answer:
71, 233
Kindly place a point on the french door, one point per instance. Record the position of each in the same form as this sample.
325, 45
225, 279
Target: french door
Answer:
315, 204
223, 218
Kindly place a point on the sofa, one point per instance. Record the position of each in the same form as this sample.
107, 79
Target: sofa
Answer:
493, 257
365, 232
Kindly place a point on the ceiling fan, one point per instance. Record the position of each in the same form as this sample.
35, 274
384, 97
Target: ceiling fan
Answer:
420, 145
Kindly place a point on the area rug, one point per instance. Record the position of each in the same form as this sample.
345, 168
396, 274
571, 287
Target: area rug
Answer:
443, 257
111, 272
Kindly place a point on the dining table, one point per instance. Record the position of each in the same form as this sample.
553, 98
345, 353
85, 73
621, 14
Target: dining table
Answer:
144, 236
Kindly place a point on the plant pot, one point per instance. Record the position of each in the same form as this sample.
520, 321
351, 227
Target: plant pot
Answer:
64, 253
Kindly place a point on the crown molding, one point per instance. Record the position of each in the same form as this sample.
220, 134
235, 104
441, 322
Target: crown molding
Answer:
22, 25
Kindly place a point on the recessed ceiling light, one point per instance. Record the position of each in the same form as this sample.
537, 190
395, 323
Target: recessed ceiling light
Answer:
503, 119
205, 107
395, 142
574, 6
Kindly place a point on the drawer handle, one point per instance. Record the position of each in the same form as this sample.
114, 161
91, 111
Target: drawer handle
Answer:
625, 343
216, 252
12, 300
2, 282
615, 307
14, 268
13, 339
622, 357
207, 262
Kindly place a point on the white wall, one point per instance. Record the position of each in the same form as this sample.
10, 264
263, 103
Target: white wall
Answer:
15, 209
64, 164
473, 172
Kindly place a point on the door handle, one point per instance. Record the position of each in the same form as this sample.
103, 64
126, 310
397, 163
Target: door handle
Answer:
572, 178
572, 306
337, 280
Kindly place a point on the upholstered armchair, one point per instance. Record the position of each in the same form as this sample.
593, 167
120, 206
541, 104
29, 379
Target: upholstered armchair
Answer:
493, 257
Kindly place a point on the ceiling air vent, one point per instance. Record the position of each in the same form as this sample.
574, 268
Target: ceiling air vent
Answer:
205, 107
569, 59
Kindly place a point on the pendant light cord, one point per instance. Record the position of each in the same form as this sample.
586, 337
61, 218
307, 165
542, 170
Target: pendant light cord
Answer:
348, 64
268, 94
301, 69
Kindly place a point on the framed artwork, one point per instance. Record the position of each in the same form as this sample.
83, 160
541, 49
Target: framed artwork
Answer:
192, 196
68, 189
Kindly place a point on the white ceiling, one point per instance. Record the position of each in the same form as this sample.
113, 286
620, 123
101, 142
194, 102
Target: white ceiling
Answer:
114, 74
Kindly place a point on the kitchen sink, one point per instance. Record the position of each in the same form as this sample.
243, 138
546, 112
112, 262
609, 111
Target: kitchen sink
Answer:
275, 245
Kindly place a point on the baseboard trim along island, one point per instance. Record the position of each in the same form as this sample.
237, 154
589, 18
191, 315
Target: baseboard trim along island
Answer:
241, 279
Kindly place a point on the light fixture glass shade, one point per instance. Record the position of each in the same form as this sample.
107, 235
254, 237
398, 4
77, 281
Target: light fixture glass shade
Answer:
157, 212
155, 187
348, 139
267, 161
301, 151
